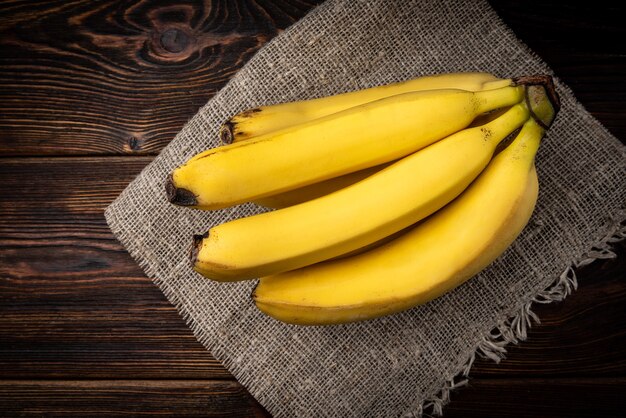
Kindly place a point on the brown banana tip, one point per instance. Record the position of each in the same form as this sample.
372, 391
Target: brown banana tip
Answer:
179, 196
226, 133
195, 247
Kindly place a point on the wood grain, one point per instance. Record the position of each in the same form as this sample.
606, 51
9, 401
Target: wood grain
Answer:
75, 305
485, 398
73, 302
111, 398
121, 77
546, 398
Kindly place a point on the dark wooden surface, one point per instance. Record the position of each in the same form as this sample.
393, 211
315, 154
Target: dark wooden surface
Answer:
92, 90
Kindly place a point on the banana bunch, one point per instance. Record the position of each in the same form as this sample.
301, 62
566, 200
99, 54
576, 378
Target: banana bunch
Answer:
385, 198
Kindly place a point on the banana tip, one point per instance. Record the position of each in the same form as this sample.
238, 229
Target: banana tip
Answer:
195, 248
226, 133
179, 196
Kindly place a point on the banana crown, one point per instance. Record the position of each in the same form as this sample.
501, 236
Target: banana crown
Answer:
541, 98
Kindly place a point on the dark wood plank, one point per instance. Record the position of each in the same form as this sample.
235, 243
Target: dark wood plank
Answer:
524, 398
62, 197
111, 398
96, 328
535, 398
75, 305
73, 302
121, 77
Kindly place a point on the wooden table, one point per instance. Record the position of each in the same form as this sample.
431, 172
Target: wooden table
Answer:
91, 91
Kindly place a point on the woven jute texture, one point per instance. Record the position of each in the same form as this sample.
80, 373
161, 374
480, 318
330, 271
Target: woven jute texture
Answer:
407, 363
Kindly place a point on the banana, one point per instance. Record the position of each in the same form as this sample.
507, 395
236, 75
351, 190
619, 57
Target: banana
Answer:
315, 190
264, 119
358, 215
434, 257
354, 139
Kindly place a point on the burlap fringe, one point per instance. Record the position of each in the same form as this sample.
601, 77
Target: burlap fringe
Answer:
514, 329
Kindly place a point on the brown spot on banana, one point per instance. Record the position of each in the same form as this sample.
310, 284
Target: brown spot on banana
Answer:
487, 133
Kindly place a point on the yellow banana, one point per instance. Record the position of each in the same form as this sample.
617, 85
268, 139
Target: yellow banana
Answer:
434, 257
358, 215
354, 139
264, 119
315, 190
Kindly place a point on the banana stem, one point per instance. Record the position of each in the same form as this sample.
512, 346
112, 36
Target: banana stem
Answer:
539, 87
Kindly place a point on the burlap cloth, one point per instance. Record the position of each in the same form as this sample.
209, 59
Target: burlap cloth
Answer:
406, 363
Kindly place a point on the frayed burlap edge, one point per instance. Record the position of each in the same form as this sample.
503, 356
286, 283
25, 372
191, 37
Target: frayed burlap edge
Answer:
513, 328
